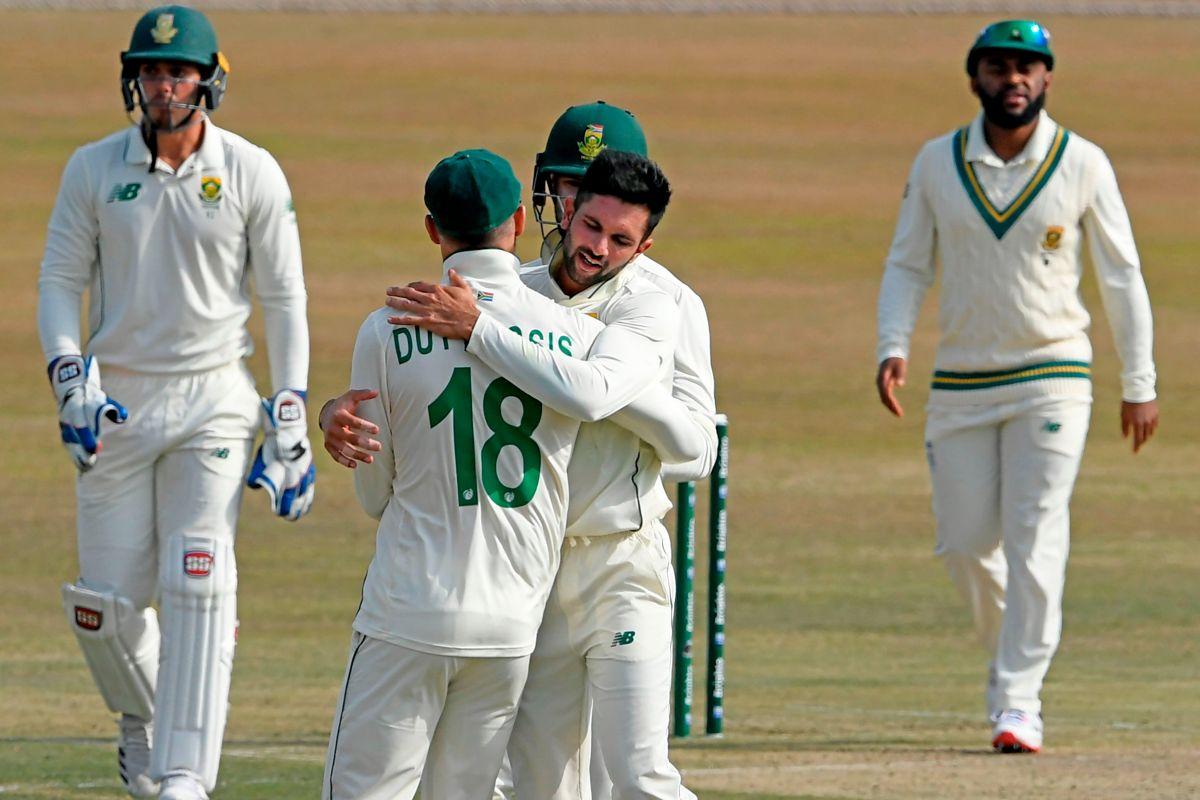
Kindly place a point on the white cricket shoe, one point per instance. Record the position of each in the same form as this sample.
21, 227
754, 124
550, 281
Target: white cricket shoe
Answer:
133, 756
1017, 731
182, 786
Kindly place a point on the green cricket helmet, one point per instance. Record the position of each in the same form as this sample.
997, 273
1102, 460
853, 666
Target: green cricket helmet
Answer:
578, 136
175, 33
1022, 35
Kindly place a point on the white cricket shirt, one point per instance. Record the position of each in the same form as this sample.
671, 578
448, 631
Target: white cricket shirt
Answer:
1008, 237
471, 485
168, 258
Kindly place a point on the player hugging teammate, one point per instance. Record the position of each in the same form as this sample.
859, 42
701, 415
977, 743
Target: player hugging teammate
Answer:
601, 667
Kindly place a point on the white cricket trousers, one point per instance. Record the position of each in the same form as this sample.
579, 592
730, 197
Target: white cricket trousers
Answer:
407, 718
166, 487
604, 642
1002, 480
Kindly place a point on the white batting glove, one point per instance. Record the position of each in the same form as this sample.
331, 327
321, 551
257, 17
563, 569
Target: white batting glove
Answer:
284, 465
81, 405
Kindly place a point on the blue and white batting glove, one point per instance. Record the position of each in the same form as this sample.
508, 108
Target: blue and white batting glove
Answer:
284, 465
81, 406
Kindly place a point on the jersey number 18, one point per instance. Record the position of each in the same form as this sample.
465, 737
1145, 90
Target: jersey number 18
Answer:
456, 401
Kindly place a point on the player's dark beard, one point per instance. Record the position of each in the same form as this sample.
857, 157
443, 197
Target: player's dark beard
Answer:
997, 114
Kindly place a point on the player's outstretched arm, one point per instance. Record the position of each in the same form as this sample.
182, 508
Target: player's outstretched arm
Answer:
348, 436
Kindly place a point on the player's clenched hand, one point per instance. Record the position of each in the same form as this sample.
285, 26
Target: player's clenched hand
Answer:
347, 437
284, 465
81, 406
1140, 419
448, 311
892, 372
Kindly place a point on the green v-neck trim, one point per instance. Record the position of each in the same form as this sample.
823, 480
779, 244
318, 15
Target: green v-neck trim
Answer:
1000, 220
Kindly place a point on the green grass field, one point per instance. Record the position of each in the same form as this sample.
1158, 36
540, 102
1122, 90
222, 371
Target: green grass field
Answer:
852, 670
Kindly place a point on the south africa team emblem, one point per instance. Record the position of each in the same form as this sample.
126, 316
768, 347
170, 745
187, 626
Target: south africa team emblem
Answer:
210, 190
1053, 237
593, 142
164, 29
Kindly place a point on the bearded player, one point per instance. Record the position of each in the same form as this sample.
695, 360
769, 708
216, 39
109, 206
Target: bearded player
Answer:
453, 597
165, 225
605, 639
1005, 205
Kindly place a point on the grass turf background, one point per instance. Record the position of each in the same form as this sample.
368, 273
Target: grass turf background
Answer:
852, 672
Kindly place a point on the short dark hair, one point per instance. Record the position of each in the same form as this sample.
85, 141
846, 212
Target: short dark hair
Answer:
486, 240
629, 177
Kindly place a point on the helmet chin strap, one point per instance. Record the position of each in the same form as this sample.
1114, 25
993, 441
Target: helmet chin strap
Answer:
150, 131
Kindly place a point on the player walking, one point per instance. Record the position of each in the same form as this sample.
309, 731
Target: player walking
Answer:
469, 535
1004, 204
162, 224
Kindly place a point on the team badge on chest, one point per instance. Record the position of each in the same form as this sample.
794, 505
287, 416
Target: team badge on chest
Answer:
1053, 237
210, 191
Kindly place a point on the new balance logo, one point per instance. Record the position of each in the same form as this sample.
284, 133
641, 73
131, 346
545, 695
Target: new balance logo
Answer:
124, 192
622, 638
221, 452
1052, 427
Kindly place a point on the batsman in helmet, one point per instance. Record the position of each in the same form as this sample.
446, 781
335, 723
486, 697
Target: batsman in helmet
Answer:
165, 225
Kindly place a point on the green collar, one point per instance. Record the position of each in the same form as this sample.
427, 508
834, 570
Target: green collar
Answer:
1000, 220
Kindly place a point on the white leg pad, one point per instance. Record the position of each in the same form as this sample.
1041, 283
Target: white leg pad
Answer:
120, 644
198, 578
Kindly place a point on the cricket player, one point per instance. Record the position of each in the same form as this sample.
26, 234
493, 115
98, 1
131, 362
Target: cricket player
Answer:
166, 225
605, 640
1004, 204
470, 486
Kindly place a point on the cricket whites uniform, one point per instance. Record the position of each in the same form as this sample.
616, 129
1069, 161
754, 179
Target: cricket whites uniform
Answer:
605, 639
1009, 406
471, 493
168, 258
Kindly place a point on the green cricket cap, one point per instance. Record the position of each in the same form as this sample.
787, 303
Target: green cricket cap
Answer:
173, 33
585, 131
471, 192
1025, 35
